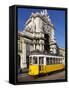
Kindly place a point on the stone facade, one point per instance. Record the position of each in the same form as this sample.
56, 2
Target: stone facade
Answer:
23, 49
39, 34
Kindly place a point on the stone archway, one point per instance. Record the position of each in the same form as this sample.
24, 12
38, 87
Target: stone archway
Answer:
47, 44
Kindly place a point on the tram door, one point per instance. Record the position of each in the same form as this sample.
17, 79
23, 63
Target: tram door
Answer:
40, 64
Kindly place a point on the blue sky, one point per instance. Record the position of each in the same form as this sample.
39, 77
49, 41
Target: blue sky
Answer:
57, 18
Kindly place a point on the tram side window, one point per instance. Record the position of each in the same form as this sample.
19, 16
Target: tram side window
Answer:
47, 60
53, 60
57, 61
41, 60
50, 60
60, 61
34, 60
30, 60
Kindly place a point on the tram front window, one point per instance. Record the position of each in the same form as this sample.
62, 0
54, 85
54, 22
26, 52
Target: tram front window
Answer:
34, 60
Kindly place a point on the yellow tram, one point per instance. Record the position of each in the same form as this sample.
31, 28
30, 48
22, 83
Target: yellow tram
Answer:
41, 64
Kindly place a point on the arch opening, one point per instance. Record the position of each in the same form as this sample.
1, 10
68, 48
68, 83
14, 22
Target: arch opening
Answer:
46, 41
